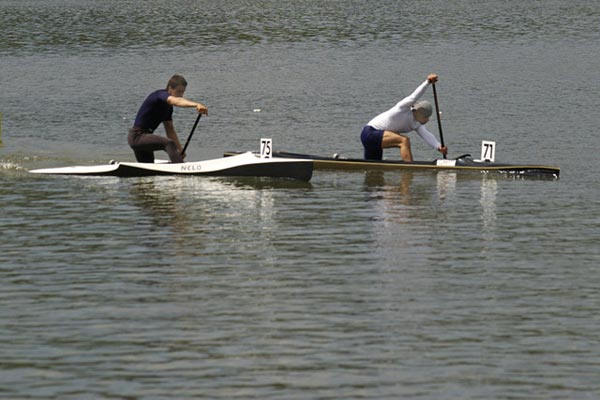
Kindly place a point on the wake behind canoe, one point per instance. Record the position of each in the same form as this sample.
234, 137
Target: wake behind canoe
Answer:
464, 163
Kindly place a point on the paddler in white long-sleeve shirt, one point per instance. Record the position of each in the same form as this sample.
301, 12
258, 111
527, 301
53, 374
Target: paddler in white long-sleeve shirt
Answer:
385, 130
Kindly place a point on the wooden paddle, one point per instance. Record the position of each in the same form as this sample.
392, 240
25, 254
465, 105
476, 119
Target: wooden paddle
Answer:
437, 111
190, 136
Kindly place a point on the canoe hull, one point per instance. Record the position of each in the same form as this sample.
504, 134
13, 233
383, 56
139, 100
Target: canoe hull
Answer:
245, 165
464, 163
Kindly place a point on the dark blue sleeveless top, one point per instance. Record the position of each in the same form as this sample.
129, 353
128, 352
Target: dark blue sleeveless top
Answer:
153, 111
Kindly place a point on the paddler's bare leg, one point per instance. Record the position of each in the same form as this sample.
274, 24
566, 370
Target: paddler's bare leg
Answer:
393, 139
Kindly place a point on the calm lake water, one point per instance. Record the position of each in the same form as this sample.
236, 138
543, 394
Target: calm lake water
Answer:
413, 285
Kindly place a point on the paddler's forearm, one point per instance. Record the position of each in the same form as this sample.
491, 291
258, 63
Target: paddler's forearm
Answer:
420, 91
185, 103
428, 137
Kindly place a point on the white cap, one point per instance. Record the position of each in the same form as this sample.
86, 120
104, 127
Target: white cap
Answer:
424, 108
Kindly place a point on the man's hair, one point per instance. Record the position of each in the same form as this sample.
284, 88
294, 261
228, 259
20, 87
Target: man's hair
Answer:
176, 80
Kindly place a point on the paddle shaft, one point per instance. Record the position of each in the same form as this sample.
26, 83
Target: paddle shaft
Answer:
437, 112
187, 142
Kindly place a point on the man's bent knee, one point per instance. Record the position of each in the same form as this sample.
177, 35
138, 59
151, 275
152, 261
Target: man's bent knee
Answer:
392, 139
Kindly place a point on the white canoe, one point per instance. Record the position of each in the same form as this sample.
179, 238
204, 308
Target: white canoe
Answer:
245, 164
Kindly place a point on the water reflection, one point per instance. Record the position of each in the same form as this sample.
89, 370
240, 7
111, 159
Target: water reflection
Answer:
489, 189
398, 205
446, 186
159, 202
208, 208
415, 210
400, 190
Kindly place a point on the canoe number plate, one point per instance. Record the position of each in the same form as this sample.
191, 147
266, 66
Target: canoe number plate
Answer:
266, 148
488, 151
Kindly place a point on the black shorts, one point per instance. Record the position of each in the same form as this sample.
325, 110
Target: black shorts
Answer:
372, 139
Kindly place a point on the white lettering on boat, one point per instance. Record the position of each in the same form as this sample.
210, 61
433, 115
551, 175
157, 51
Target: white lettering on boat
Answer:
191, 168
